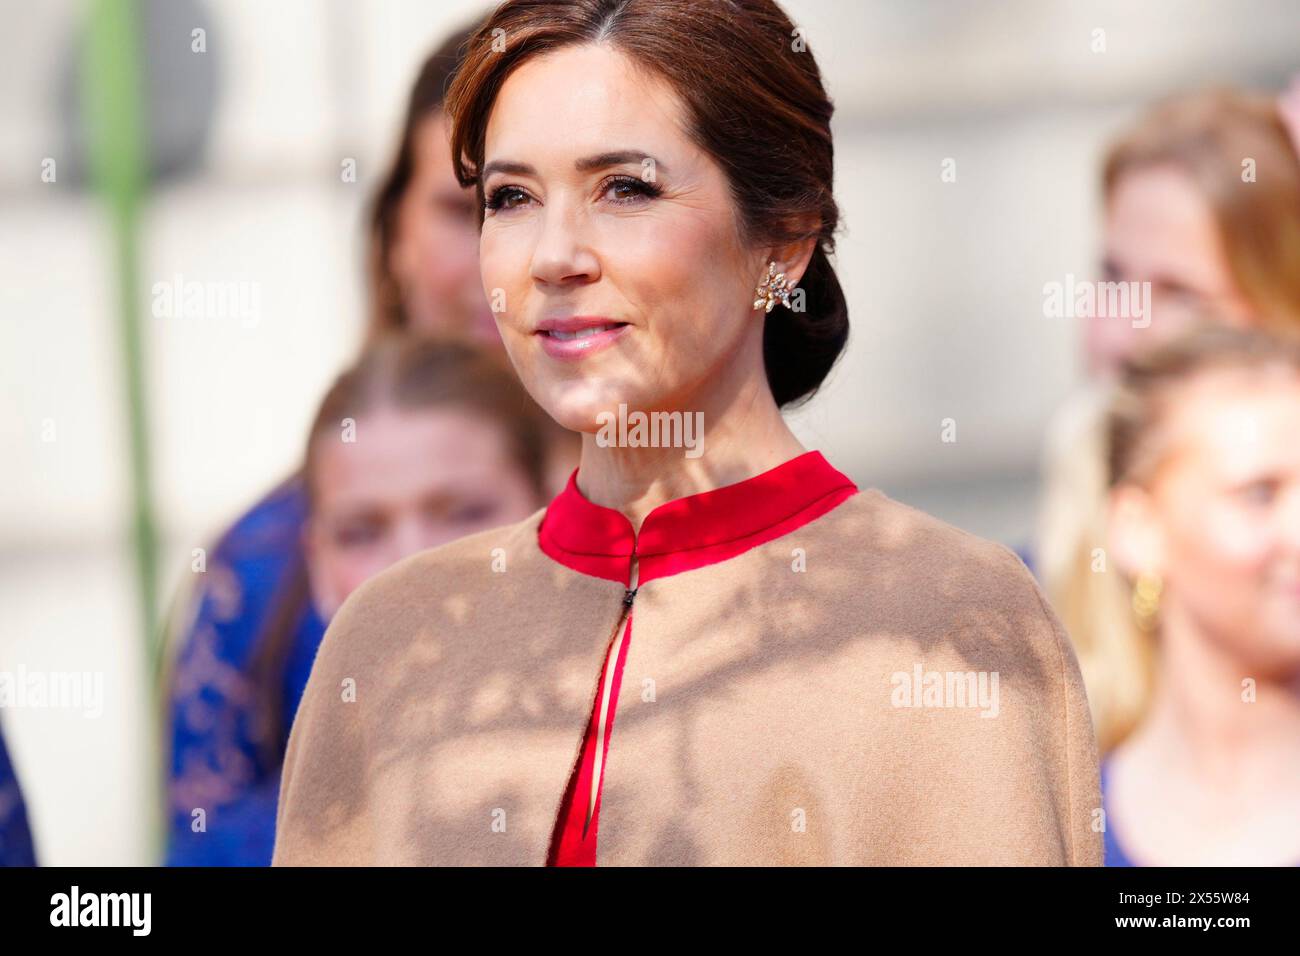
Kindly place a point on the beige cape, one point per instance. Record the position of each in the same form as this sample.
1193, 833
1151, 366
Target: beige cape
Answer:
770, 711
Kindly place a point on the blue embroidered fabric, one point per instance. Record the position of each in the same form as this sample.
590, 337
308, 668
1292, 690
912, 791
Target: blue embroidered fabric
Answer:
223, 761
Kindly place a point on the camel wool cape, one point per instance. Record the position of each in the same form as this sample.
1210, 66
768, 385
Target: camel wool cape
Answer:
813, 675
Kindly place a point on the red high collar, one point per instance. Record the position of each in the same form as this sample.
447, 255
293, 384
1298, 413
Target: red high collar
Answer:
694, 531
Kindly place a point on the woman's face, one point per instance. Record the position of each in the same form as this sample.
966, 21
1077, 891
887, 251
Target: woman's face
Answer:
412, 480
1222, 515
603, 215
1159, 229
434, 257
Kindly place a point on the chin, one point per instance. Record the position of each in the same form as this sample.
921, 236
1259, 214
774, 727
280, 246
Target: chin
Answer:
577, 405
1282, 665
1270, 652
1280, 635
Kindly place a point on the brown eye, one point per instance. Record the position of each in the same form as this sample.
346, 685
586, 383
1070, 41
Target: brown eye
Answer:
505, 197
629, 190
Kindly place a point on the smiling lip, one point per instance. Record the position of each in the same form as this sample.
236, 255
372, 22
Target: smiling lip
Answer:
578, 336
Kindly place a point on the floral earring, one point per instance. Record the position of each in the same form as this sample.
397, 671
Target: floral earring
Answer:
772, 289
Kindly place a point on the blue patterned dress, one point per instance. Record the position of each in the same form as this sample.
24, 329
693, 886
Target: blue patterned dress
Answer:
229, 726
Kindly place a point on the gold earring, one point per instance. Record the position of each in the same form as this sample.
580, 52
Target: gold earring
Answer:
772, 289
1146, 599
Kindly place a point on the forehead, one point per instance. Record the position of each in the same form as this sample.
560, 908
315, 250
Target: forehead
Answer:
1240, 420
574, 101
1157, 221
400, 453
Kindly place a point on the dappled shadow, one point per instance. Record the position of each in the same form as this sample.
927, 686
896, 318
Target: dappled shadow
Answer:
479, 685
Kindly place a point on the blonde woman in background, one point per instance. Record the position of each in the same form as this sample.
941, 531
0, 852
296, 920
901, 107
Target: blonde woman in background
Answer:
1180, 214
1204, 522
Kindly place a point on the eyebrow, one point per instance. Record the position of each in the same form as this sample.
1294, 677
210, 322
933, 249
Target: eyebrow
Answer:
586, 164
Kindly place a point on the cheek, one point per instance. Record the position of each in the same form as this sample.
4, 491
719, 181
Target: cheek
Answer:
435, 262
685, 280
411, 241
346, 569
502, 274
1219, 543
1168, 318
503, 261
449, 248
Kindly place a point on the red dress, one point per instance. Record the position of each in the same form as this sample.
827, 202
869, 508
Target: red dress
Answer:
677, 536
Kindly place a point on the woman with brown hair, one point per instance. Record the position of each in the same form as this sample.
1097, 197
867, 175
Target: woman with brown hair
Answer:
798, 672
1204, 527
422, 258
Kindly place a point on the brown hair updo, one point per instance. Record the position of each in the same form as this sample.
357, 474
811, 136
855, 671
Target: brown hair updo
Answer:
755, 103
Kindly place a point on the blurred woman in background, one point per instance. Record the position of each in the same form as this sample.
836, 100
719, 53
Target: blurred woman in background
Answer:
416, 445
423, 251
242, 657
1204, 524
1202, 200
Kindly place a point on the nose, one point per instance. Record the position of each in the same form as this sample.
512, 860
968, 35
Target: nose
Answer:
563, 255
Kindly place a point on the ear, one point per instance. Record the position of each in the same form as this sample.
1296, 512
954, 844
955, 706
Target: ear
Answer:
1133, 531
792, 259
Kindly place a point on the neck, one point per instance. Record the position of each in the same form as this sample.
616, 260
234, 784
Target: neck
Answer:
743, 435
1201, 724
